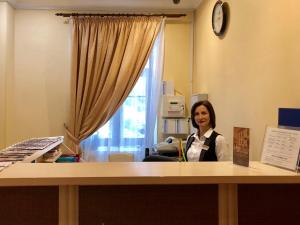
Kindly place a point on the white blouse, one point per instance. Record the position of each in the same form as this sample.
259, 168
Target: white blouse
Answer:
194, 151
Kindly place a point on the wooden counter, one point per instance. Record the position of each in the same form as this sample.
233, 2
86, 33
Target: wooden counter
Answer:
116, 173
152, 193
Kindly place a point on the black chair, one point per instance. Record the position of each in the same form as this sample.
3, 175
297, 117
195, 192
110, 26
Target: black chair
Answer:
159, 158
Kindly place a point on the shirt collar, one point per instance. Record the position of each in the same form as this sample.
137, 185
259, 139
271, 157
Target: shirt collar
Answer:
206, 135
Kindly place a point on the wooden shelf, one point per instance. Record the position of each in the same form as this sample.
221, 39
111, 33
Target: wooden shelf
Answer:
51, 159
35, 153
40, 153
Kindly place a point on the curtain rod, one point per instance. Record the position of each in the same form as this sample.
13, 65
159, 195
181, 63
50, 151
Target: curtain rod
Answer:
127, 15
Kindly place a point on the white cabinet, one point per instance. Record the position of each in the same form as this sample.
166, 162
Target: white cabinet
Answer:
173, 112
175, 126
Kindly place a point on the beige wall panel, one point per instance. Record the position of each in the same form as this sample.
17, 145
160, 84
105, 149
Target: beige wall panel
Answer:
39, 90
10, 65
6, 63
178, 61
39, 99
251, 71
178, 57
2, 73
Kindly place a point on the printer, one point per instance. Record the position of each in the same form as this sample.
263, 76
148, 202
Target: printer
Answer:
169, 147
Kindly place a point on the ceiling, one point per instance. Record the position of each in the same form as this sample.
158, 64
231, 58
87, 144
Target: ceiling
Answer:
119, 5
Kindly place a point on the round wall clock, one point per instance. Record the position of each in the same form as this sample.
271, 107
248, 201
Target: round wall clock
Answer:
219, 18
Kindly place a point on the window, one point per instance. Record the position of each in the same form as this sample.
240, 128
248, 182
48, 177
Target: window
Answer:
125, 131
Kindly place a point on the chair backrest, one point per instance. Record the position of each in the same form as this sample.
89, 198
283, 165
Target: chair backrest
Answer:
120, 157
160, 158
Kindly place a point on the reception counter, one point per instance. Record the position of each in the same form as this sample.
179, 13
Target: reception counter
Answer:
152, 193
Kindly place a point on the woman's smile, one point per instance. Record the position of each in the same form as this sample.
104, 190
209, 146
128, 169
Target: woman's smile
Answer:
202, 117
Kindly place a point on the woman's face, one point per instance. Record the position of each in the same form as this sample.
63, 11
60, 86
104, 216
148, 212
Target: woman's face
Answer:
202, 117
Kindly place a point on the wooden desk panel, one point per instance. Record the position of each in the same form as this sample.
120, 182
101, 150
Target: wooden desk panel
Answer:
106, 181
148, 205
269, 204
29, 206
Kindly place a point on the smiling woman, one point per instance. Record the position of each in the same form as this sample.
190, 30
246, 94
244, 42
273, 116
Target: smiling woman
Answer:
206, 144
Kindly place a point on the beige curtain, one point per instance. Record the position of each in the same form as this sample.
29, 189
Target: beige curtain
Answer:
108, 55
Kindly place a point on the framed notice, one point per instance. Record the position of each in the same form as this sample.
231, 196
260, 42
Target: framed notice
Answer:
241, 143
281, 148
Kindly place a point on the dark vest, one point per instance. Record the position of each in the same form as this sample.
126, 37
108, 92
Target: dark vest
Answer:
205, 155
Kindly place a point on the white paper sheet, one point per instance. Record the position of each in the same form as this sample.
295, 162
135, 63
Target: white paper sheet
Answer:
281, 148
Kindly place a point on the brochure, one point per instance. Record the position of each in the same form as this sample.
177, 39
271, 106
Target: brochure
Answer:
241, 143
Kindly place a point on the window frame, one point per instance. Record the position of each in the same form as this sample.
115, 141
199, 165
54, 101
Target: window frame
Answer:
116, 139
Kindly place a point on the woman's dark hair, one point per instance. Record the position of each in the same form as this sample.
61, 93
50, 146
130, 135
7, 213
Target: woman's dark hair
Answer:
210, 109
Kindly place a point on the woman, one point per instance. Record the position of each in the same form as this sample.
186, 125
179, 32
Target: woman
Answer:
206, 144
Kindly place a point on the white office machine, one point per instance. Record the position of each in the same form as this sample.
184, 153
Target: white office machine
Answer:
170, 144
173, 106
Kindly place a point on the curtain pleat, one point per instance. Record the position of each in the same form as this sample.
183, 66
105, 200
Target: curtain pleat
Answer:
108, 56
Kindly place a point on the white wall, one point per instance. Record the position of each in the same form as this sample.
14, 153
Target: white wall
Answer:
254, 69
178, 57
177, 62
6, 63
39, 90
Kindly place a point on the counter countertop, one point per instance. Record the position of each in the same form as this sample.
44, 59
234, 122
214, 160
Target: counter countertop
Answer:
132, 173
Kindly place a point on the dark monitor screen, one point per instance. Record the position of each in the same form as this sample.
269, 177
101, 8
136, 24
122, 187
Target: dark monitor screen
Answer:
289, 118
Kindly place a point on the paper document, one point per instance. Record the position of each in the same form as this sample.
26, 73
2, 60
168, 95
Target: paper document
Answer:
281, 147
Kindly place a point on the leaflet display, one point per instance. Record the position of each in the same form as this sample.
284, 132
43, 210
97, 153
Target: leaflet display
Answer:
29, 150
281, 148
241, 143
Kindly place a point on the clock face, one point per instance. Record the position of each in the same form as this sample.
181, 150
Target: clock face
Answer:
218, 18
